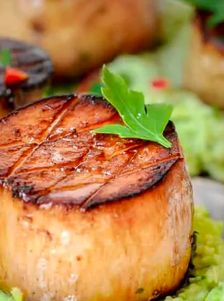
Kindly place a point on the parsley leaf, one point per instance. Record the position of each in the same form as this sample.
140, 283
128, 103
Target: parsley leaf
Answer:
96, 88
5, 57
14, 295
141, 122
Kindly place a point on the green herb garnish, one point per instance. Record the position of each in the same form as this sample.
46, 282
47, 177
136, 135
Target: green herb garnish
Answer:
215, 7
5, 57
96, 88
14, 295
141, 121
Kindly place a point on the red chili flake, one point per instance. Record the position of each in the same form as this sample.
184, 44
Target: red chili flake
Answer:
160, 83
14, 76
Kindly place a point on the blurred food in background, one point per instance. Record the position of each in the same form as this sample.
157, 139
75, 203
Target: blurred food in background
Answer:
205, 65
25, 72
80, 34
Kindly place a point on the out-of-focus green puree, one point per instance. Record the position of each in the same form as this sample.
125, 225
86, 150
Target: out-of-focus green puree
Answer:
206, 279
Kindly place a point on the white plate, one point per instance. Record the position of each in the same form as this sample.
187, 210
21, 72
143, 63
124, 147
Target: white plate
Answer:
211, 195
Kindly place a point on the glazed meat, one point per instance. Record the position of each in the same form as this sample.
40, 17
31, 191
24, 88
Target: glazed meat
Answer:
204, 73
90, 217
36, 65
80, 34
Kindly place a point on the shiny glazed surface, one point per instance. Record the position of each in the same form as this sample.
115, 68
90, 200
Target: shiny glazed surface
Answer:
94, 217
53, 156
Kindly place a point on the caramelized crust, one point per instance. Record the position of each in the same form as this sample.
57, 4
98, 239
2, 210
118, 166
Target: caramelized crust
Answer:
50, 154
134, 249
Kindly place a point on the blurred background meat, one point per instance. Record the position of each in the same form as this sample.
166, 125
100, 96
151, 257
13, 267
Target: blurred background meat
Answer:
204, 72
26, 75
80, 35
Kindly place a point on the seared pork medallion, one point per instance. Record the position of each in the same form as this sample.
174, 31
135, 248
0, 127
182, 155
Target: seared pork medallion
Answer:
80, 35
89, 216
204, 68
25, 71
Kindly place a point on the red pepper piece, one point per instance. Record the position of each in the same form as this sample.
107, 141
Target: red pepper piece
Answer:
14, 76
160, 83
